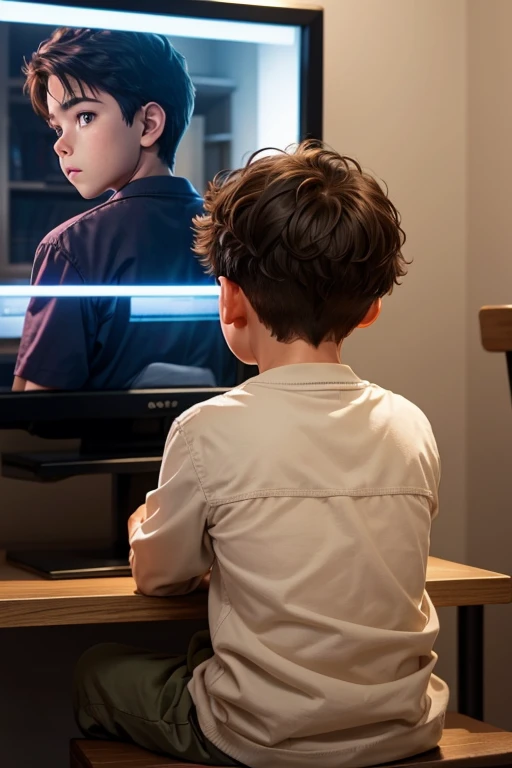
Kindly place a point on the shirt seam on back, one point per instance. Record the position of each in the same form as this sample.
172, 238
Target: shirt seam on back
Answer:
321, 493
57, 245
189, 448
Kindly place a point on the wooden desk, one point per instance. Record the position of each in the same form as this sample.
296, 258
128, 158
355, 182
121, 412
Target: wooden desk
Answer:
27, 600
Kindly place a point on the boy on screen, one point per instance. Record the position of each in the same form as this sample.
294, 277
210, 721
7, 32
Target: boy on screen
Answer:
119, 103
308, 491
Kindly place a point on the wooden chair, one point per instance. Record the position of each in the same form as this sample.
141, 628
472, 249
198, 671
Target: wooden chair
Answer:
466, 743
496, 332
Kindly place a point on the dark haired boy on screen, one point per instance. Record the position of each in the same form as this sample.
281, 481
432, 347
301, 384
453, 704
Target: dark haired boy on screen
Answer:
119, 103
309, 490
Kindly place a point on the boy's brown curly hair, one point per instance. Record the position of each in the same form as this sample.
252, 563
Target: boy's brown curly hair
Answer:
310, 238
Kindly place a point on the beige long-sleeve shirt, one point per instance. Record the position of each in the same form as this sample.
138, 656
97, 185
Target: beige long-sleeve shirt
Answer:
312, 493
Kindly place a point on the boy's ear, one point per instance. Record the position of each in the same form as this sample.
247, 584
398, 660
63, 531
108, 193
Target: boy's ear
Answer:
153, 119
372, 314
232, 308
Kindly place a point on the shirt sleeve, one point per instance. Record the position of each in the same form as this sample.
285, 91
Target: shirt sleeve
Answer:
435, 487
431, 462
57, 332
171, 551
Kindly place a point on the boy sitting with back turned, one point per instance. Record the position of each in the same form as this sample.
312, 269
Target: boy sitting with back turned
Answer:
310, 492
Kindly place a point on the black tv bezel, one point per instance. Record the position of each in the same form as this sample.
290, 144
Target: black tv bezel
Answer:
24, 410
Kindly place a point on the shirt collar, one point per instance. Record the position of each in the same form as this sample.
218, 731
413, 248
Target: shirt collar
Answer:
157, 186
322, 375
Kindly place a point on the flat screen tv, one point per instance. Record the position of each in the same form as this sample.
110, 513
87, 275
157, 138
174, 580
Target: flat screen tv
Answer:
257, 75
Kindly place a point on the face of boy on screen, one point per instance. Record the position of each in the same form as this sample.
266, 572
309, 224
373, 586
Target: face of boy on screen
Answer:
97, 150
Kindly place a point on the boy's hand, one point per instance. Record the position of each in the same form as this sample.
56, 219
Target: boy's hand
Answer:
136, 520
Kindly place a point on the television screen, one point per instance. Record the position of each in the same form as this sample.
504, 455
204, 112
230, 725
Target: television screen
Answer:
109, 325
137, 338
256, 74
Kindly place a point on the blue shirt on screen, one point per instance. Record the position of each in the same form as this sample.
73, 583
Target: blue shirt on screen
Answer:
141, 236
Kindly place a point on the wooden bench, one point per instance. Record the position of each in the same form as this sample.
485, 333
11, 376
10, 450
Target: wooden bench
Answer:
466, 743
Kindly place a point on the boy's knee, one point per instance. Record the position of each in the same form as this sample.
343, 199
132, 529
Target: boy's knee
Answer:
98, 656
92, 665
89, 671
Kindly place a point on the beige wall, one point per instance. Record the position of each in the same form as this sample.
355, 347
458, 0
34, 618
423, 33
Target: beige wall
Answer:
395, 99
489, 281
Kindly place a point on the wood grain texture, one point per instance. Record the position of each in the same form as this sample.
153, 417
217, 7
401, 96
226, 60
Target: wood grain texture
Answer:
29, 601
451, 584
496, 328
466, 743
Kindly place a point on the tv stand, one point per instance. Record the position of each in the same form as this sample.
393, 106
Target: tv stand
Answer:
132, 477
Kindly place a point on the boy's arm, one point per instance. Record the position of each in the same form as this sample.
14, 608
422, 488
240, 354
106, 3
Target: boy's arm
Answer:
22, 385
171, 549
18, 384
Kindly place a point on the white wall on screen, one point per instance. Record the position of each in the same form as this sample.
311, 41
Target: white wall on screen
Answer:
190, 155
278, 95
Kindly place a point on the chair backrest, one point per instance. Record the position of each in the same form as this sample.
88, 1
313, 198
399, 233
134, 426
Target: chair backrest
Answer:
496, 332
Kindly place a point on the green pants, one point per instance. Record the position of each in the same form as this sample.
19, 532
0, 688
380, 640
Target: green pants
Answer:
129, 694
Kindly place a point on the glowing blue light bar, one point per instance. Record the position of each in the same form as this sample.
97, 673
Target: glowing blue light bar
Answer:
177, 26
169, 308
23, 291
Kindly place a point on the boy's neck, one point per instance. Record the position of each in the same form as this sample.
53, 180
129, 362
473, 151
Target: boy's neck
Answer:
151, 165
297, 352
